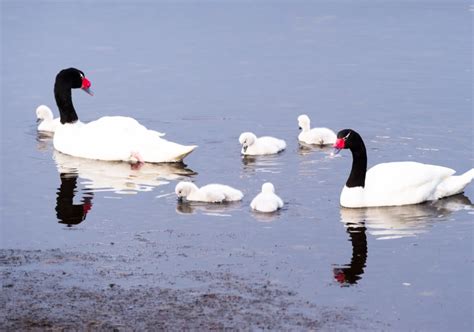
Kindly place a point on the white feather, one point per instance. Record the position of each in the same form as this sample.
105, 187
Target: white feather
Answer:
117, 138
320, 136
267, 200
252, 146
48, 123
402, 183
212, 193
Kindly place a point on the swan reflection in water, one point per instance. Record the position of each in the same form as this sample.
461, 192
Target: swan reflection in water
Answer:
262, 164
66, 211
98, 176
307, 149
386, 223
120, 177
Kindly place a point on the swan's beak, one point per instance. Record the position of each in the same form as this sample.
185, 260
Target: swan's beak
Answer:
338, 146
299, 128
180, 198
86, 85
245, 148
89, 91
38, 120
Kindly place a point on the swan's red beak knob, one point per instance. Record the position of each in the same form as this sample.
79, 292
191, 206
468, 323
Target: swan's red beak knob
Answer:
86, 84
340, 144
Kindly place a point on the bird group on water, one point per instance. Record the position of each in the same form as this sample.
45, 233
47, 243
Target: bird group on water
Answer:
119, 138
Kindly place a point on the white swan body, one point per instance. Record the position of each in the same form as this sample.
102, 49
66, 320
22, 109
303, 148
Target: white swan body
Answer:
267, 200
402, 183
110, 138
117, 138
252, 146
212, 193
320, 136
45, 115
395, 183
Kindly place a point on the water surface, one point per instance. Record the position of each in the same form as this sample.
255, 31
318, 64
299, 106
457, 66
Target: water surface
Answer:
399, 72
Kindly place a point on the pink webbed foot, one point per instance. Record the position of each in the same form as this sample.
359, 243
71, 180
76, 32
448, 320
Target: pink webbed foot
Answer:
136, 159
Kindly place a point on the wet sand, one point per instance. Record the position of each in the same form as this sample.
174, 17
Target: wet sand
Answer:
67, 290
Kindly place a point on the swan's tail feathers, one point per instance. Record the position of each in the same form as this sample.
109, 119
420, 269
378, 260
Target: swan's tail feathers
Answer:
454, 184
186, 150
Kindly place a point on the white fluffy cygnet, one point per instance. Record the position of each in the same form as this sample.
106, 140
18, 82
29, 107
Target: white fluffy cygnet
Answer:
320, 136
267, 200
45, 115
252, 146
213, 193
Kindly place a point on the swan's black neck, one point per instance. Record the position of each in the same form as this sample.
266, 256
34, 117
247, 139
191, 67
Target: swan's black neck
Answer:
66, 80
359, 165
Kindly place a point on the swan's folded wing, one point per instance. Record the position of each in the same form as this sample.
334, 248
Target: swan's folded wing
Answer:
405, 181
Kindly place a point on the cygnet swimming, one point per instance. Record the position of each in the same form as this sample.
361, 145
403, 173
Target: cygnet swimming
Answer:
267, 200
252, 146
44, 115
321, 136
213, 193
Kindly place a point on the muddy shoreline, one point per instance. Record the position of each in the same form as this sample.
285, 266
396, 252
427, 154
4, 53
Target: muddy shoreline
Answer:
66, 290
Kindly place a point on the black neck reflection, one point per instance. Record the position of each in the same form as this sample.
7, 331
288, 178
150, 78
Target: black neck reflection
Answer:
66, 211
349, 274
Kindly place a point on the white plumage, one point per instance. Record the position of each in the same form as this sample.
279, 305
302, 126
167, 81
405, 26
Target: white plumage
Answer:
321, 136
402, 183
252, 146
394, 183
117, 138
267, 200
45, 115
212, 193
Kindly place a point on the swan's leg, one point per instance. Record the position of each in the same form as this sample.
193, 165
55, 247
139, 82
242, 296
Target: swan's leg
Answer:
136, 157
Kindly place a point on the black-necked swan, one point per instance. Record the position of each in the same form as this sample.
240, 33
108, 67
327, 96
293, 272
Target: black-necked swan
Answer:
253, 146
111, 138
212, 193
308, 135
48, 123
394, 183
267, 200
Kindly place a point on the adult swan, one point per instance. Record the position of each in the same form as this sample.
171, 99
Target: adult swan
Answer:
395, 183
110, 137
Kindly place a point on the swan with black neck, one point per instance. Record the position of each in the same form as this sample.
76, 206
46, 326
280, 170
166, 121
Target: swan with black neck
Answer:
111, 138
394, 183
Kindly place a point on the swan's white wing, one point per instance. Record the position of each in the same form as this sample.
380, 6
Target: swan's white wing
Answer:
400, 183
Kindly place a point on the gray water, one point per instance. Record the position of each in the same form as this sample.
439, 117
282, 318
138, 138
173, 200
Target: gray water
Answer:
398, 72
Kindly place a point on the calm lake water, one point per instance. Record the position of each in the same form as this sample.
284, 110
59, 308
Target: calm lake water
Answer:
399, 72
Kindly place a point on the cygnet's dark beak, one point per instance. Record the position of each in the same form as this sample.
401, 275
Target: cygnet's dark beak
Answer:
38, 120
299, 128
245, 148
180, 198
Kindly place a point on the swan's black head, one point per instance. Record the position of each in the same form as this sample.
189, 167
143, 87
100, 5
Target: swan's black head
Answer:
348, 139
72, 78
66, 80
